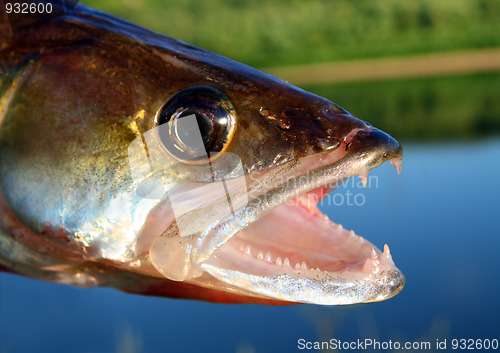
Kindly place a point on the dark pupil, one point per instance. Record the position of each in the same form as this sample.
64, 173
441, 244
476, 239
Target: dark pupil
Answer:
200, 120
188, 133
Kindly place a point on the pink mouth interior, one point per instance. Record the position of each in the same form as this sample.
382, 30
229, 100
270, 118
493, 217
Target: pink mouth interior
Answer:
297, 237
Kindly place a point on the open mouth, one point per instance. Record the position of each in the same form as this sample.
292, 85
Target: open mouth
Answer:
296, 253
283, 247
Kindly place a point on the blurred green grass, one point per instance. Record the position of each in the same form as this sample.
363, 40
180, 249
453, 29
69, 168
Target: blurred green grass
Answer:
289, 32
432, 108
267, 33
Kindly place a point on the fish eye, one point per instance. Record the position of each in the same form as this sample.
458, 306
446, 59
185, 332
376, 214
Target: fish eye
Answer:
196, 124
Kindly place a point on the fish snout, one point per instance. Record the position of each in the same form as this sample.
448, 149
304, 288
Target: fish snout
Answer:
330, 124
368, 148
374, 142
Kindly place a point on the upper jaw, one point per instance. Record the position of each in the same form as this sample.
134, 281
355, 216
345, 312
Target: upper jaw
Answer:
361, 151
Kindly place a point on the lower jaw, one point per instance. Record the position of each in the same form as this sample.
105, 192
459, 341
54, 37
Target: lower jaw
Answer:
296, 253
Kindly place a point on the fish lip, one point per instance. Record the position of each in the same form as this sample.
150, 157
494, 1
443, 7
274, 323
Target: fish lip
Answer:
374, 288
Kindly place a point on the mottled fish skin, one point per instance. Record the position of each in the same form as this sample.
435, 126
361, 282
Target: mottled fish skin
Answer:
75, 92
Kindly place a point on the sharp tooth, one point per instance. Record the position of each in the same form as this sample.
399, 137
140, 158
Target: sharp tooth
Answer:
268, 257
304, 265
351, 233
364, 179
363, 175
397, 163
386, 257
260, 256
317, 269
387, 252
287, 262
297, 266
369, 266
278, 261
248, 250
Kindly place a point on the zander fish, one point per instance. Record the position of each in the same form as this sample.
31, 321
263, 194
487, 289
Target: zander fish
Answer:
133, 160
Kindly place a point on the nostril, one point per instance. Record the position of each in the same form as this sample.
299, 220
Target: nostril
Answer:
348, 138
284, 123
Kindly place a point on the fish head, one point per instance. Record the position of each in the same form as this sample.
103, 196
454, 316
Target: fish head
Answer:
161, 168
244, 217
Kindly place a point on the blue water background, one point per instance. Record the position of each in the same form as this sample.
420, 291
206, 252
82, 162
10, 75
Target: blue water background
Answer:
440, 217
